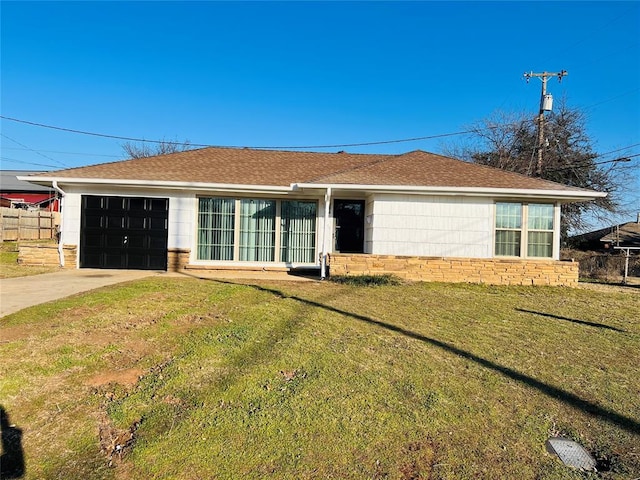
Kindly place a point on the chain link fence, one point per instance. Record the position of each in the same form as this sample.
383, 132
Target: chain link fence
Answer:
607, 267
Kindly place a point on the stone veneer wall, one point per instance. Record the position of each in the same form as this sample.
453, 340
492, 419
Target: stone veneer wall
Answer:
459, 270
34, 254
177, 259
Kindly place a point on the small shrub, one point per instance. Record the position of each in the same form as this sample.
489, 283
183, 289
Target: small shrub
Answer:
366, 280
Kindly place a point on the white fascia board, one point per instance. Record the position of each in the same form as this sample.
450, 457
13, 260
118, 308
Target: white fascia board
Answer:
570, 195
196, 186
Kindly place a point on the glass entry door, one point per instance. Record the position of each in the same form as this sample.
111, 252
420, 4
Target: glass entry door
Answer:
349, 226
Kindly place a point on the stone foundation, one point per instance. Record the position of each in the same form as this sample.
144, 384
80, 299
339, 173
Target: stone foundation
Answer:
177, 259
46, 254
459, 270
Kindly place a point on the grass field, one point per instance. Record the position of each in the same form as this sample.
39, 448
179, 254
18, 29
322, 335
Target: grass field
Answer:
201, 379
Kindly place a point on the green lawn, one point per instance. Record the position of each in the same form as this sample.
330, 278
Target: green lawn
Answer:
323, 380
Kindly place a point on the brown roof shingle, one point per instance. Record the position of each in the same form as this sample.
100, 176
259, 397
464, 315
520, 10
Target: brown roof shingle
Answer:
283, 168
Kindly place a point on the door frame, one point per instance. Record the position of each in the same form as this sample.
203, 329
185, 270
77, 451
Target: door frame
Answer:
355, 218
147, 226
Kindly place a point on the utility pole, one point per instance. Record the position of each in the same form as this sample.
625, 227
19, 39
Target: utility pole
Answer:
545, 105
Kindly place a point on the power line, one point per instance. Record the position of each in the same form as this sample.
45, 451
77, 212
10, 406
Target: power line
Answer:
34, 151
67, 153
611, 99
133, 139
474, 130
13, 160
618, 150
626, 158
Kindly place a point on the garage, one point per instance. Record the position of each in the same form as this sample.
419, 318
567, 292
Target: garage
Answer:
124, 232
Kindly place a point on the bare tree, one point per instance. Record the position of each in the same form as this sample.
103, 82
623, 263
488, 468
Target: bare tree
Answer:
510, 142
145, 149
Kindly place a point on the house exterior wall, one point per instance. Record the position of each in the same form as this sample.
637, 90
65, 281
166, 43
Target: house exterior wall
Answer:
395, 225
430, 226
182, 222
181, 215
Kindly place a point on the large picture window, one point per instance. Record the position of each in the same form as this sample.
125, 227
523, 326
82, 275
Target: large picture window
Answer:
256, 230
524, 230
216, 217
298, 232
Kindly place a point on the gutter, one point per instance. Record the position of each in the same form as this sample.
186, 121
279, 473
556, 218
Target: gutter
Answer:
60, 243
163, 184
571, 195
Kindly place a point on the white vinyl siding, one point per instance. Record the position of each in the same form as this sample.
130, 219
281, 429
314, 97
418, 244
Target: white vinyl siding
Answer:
429, 226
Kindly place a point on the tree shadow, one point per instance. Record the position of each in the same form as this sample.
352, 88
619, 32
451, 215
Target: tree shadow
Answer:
573, 320
626, 423
12, 460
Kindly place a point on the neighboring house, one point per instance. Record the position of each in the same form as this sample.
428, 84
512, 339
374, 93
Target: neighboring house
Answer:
16, 193
418, 215
623, 235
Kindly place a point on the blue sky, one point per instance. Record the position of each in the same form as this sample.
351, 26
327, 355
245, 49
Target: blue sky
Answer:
284, 74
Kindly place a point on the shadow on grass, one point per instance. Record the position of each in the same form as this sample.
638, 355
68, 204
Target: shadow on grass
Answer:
572, 320
622, 421
12, 460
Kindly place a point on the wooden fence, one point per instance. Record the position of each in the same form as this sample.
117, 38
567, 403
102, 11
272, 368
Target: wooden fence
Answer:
17, 224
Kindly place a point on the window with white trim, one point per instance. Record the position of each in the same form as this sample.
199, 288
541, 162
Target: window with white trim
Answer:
256, 230
524, 230
216, 219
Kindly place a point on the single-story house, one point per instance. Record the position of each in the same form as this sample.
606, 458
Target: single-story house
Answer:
606, 239
418, 215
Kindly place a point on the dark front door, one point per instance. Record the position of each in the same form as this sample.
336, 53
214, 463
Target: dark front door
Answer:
124, 232
349, 225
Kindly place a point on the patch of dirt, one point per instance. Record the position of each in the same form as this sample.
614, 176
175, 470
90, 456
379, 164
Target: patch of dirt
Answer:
127, 378
419, 460
116, 443
19, 332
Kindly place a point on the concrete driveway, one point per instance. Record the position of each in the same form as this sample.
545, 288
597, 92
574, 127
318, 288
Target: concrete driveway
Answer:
23, 292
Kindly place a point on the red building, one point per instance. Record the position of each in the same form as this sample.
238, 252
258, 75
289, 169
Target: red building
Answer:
18, 194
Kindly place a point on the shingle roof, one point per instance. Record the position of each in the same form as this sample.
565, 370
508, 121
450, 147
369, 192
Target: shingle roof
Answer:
10, 183
625, 235
283, 168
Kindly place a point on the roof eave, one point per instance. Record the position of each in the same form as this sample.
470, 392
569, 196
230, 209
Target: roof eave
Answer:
568, 195
565, 195
159, 184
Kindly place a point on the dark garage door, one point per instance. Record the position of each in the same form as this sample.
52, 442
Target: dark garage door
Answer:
124, 232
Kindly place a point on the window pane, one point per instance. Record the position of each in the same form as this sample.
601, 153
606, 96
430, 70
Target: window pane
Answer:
540, 217
257, 230
508, 243
298, 232
508, 215
540, 244
215, 228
